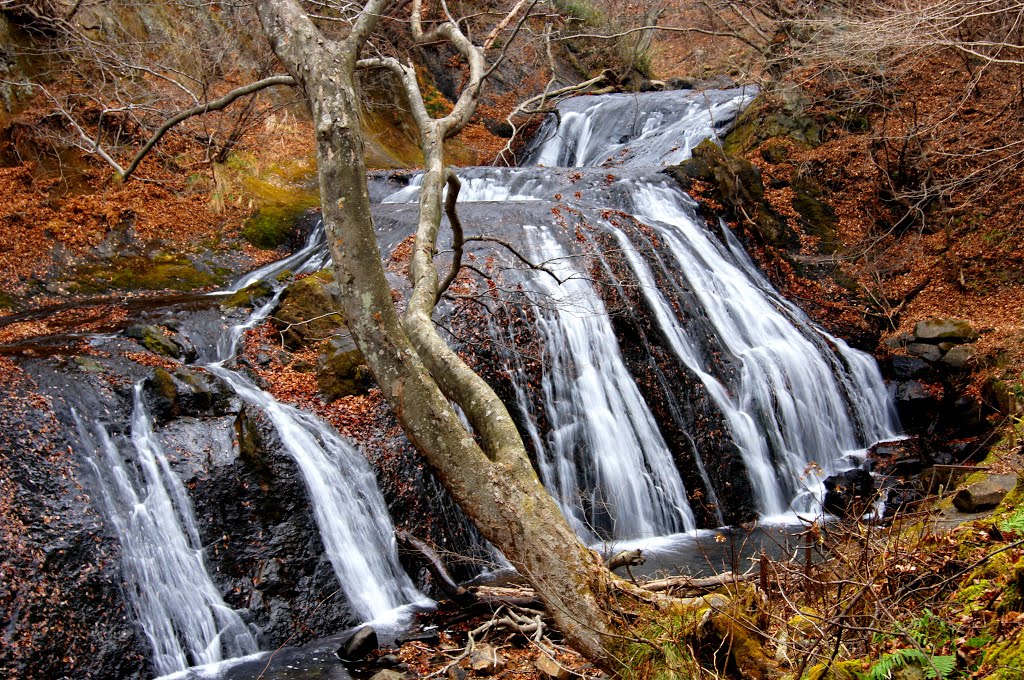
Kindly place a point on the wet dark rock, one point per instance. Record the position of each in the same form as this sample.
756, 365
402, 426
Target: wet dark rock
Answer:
901, 495
900, 458
849, 493
360, 644
935, 331
916, 404
186, 392
908, 368
342, 370
499, 128
677, 83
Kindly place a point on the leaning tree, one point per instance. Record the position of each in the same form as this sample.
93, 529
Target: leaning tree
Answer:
486, 468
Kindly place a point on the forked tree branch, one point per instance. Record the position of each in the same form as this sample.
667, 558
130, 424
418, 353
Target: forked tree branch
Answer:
92, 144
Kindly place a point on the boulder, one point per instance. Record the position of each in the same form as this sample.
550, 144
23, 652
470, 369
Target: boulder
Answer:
248, 296
984, 494
916, 404
908, 368
960, 357
736, 183
549, 668
186, 392
361, 643
778, 113
849, 493
924, 351
309, 311
387, 674
342, 370
935, 331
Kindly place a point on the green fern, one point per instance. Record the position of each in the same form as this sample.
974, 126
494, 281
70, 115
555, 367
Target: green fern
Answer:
937, 667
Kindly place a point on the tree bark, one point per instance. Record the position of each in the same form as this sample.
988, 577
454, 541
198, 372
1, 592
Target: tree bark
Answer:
500, 492
487, 471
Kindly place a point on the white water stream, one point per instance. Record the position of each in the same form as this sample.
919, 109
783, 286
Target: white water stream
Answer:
167, 586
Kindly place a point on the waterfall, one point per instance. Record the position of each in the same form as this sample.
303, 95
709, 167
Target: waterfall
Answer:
168, 589
167, 586
796, 401
349, 509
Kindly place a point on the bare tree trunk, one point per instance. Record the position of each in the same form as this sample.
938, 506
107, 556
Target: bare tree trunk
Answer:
500, 492
493, 481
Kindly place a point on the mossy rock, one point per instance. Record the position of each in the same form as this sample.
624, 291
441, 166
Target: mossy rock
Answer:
342, 370
817, 218
248, 296
309, 311
736, 183
271, 227
154, 339
936, 331
840, 670
89, 365
781, 113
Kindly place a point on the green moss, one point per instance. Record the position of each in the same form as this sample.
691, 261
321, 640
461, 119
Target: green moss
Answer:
773, 114
246, 296
89, 365
163, 272
839, 670
164, 385
659, 653
1005, 660
270, 227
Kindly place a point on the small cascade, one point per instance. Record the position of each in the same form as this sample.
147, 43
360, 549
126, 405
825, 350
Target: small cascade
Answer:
638, 130
349, 509
800, 396
167, 586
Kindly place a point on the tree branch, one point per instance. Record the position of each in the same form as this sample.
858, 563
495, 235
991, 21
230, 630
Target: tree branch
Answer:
215, 105
458, 236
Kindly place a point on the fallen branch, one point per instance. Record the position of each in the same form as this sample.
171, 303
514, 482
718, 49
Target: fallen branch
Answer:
698, 584
445, 582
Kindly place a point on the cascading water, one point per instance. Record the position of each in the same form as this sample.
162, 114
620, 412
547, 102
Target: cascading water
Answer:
792, 397
349, 508
168, 588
